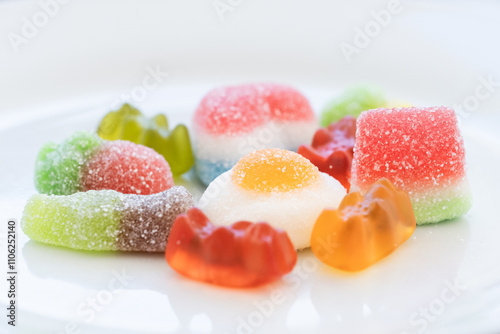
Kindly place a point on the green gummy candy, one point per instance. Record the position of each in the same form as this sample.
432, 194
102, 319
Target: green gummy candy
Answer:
90, 219
57, 166
128, 123
353, 101
443, 206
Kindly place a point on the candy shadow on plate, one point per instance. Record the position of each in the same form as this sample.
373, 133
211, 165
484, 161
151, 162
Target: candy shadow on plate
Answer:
409, 278
191, 182
150, 271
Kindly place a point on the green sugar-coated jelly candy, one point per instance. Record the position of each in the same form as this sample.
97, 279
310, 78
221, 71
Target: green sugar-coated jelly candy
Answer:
105, 219
353, 101
58, 166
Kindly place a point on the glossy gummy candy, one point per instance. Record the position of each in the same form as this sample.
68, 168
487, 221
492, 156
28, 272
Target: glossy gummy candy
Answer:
243, 254
364, 228
332, 149
128, 123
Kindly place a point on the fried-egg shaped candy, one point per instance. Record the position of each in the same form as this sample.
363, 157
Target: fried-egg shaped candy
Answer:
276, 186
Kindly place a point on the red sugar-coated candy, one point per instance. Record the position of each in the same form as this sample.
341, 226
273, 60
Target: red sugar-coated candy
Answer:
243, 254
127, 168
240, 109
286, 103
415, 148
332, 149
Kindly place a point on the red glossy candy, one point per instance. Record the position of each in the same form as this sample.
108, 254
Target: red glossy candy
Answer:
241, 255
332, 149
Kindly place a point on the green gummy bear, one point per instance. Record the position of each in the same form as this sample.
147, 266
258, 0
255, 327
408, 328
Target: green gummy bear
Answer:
128, 123
86, 220
57, 166
353, 101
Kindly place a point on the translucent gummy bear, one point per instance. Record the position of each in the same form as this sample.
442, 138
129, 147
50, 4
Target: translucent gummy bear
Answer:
240, 255
364, 228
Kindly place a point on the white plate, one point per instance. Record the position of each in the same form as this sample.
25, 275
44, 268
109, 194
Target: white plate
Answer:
57, 286
89, 53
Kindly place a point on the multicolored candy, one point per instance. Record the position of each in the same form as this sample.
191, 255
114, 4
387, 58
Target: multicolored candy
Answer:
86, 162
105, 219
421, 151
236, 120
276, 186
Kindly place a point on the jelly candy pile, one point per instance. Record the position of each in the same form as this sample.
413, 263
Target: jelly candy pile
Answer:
370, 175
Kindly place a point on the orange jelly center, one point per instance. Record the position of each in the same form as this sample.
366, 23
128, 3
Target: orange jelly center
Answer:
274, 170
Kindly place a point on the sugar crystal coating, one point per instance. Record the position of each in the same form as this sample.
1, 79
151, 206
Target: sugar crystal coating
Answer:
274, 170
286, 103
232, 110
86, 162
233, 121
240, 255
421, 151
105, 219
364, 228
146, 220
353, 101
128, 123
275, 186
58, 166
128, 168
88, 220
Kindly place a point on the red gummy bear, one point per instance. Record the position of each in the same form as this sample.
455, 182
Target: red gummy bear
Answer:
241, 255
332, 149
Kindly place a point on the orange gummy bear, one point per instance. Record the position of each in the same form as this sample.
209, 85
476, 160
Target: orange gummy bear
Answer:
363, 229
241, 255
